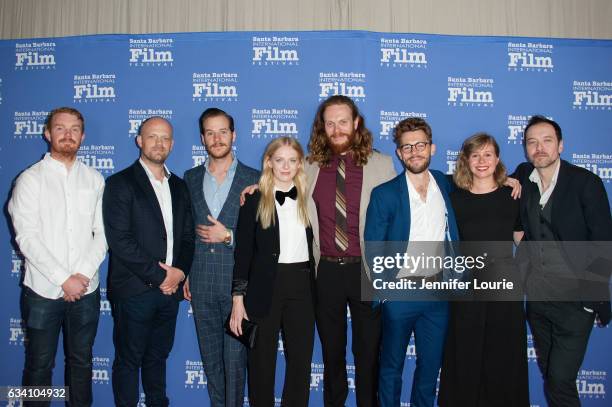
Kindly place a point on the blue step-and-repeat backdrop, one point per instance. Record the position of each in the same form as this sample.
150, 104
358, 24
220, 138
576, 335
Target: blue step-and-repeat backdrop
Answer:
272, 82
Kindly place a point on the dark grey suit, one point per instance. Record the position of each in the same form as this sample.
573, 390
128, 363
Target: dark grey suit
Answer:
210, 282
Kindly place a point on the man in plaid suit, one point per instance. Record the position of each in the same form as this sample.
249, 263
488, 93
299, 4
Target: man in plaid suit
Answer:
215, 188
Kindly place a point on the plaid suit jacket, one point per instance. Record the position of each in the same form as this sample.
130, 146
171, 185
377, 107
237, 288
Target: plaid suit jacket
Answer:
210, 278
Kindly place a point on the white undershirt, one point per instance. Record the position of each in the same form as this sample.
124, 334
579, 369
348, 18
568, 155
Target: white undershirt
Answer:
292, 233
164, 197
427, 224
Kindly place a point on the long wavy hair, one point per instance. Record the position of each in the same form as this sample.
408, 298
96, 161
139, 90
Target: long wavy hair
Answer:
319, 148
463, 176
266, 208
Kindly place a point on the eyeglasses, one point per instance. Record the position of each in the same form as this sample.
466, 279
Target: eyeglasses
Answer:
419, 147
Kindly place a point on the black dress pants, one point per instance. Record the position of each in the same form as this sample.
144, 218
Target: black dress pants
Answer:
292, 313
561, 333
336, 285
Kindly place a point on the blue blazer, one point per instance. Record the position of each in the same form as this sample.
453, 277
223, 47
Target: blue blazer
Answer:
213, 263
388, 216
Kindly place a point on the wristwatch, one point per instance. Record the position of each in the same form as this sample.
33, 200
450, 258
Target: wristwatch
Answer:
228, 237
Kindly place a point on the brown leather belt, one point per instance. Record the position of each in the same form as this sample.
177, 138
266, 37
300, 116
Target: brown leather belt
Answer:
342, 260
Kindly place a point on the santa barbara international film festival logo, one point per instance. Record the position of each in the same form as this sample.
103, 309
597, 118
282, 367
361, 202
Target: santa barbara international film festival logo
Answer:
351, 84
194, 375
390, 118
29, 124
16, 263
470, 92
34, 55
100, 371
599, 164
592, 95
403, 53
99, 157
137, 115
151, 52
591, 384
105, 305
16, 331
531, 352
274, 122
516, 127
316, 376
215, 87
451, 161
94, 88
530, 57
275, 51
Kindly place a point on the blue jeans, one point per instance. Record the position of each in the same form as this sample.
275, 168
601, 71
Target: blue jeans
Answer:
43, 320
428, 320
143, 336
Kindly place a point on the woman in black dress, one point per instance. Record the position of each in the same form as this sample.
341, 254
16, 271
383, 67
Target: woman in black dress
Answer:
485, 361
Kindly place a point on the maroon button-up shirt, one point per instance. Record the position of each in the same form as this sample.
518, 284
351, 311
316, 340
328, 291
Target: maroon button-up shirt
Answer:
324, 196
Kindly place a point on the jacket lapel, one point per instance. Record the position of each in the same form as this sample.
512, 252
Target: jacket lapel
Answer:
233, 196
404, 202
557, 197
199, 202
142, 180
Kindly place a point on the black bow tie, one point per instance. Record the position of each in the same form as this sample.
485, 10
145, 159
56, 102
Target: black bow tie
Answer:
280, 195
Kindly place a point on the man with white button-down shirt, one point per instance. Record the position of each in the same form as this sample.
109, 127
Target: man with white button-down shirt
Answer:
148, 224
56, 209
414, 206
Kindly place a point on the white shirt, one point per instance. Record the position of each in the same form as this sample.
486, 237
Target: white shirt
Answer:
292, 233
427, 224
535, 177
164, 198
57, 215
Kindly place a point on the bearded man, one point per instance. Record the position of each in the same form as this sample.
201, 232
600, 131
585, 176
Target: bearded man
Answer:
342, 170
214, 187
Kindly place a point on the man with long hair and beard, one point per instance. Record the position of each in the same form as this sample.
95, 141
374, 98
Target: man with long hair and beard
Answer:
341, 171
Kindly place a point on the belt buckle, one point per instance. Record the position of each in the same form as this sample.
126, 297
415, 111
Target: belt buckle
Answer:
341, 261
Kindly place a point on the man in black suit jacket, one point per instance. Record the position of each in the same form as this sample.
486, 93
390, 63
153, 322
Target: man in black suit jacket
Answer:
149, 228
566, 286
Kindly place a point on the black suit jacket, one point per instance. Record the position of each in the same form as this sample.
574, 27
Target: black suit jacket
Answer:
256, 258
136, 234
580, 213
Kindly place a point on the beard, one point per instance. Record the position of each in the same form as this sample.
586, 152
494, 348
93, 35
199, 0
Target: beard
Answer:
65, 147
218, 153
417, 168
345, 146
157, 156
543, 161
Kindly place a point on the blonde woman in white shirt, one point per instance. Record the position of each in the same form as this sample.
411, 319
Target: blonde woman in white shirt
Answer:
272, 283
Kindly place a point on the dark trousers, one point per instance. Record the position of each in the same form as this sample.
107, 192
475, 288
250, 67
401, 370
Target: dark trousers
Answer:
143, 335
224, 358
43, 319
428, 320
291, 312
561, 333
337, 285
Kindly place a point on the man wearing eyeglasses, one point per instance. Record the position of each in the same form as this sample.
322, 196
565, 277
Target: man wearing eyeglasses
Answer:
414, 206
215, 189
